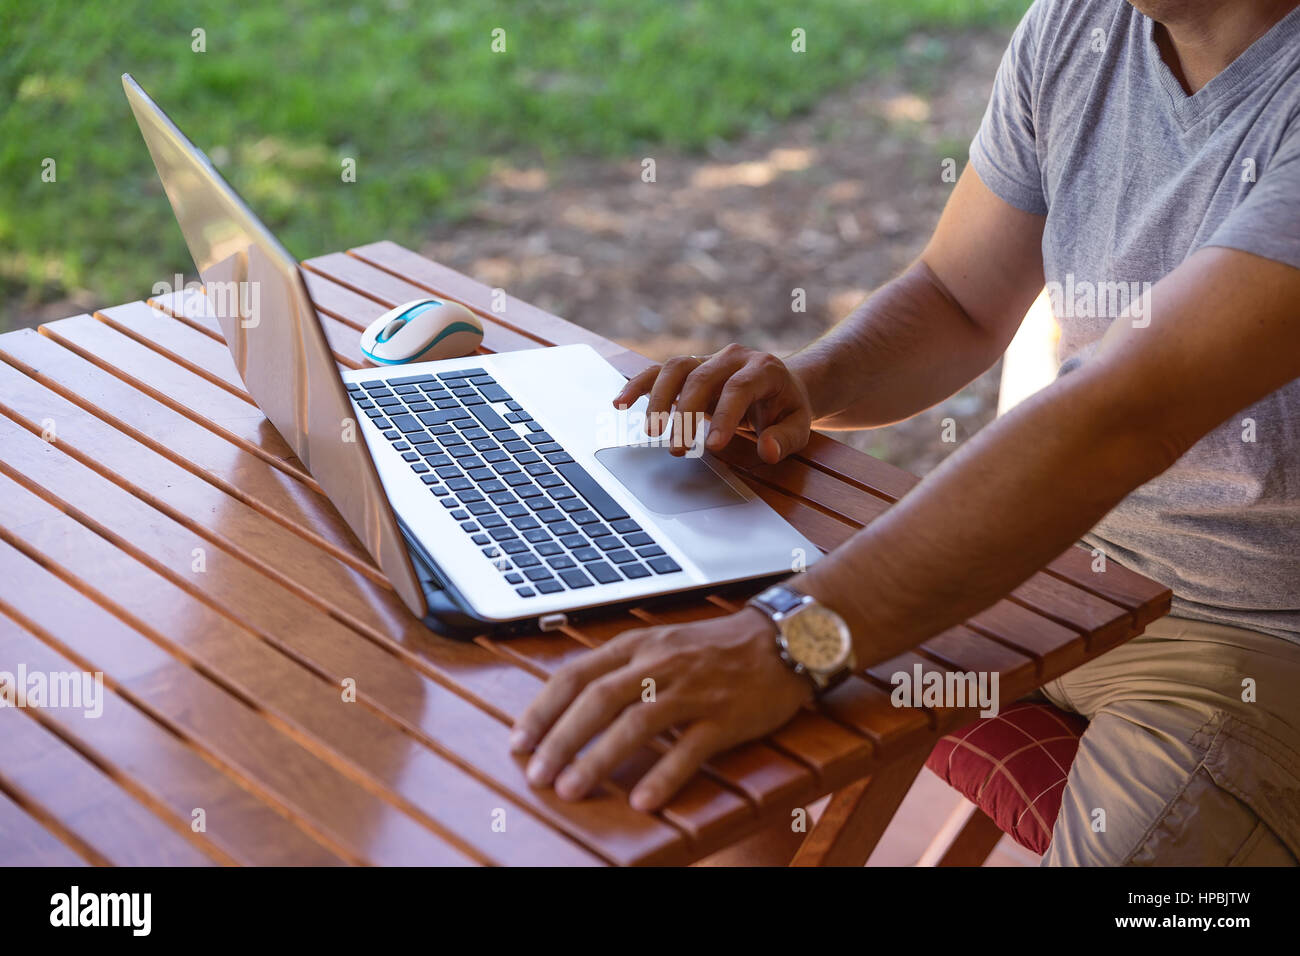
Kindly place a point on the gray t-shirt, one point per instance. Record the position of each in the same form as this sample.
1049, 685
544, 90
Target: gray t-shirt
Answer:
1088, 126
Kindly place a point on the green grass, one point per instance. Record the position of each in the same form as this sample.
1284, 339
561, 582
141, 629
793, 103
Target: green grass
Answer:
412, 91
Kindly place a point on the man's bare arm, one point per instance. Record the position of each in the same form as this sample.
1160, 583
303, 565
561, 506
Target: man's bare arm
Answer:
929, 332
1223, 333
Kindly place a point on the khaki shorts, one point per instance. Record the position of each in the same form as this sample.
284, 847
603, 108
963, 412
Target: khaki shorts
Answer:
1179, 766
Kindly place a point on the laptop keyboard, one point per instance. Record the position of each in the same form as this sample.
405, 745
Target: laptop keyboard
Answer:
535, 513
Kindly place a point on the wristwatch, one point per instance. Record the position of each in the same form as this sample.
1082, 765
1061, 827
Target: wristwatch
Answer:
811, 638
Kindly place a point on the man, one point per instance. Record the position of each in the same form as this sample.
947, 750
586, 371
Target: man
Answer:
1144, 161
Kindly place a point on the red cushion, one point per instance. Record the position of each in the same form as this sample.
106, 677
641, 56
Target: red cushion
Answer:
1013, 767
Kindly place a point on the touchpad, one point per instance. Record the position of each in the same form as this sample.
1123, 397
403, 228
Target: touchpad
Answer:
667, 485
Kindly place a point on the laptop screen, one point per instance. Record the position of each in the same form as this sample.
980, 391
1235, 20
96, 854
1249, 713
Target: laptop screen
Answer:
256, 292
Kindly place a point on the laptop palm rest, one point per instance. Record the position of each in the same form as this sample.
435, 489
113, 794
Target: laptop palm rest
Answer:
667, 485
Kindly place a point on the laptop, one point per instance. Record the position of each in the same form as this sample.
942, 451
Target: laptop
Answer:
499, 492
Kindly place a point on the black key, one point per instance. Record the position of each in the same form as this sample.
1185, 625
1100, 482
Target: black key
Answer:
528, 457
534, 426
448, 471
633, 571
517, 479
462, 373
482, 444
536, 535
495, 393
650, 551
563, 493
434, 458
448, 403
514, 511
540, 503
527, 490
475, 435
374, 413
527, 560
460, 451
539, 438
513, 546
503, 534
575, 579
482, 539
449, 502
440, 429
494, 456
585, 485
468, 526
664, 565
603, 573
491, 521
430, 479
585, 554
488, 418
472, 400
480, 508
410, 379
638, 539
451, 438
401, 446
548, 516
381, 423
484, 379
538, 574
472, 494
389, 401
403, 389
547, 548
505, 468
550, 481
572, 541
419, 468
353, 387
584, 517
573, 504
524, 523
372, 384
559, 458
503, 498
440, 490
392, 434
525, 592
562, 561
482, 474
596, 530
563, 528
410, 456
438, 418
463, 391
420, 439
623, 557
607, 543
488, 487
549, 587
516, 447
472, 462
538, 469
420, 407
460, 514
549, 447
514, 406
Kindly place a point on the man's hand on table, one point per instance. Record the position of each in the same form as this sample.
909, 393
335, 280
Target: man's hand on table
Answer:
720, 681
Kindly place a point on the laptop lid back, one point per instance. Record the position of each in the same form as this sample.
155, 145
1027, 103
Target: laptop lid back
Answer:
258, 295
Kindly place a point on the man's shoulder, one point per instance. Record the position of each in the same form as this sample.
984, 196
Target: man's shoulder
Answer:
1053, 31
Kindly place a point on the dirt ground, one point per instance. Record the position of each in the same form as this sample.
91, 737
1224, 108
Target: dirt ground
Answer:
834, 203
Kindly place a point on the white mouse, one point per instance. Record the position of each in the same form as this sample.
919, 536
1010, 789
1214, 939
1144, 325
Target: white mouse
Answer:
422, 330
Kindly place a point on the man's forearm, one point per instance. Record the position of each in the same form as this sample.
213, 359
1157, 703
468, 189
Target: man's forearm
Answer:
1016, 496
907, 347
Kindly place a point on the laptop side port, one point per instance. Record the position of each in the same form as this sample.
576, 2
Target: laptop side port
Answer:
552, 622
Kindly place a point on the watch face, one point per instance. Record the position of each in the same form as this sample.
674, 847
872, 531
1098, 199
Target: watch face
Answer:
815, 639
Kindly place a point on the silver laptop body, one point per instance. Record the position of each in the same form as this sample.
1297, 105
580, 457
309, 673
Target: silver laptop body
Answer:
496, 492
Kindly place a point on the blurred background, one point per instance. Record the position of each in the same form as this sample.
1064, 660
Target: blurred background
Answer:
775, 170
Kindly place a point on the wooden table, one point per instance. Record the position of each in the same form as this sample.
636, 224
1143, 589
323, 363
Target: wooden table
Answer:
154, 527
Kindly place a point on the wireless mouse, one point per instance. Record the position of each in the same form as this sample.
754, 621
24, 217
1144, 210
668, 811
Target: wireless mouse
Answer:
422, 331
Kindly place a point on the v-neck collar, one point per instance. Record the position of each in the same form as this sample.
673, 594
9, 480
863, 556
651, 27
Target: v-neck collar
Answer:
1189, 109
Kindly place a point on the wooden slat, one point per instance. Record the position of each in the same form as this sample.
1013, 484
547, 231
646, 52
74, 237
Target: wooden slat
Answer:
205, 453
391, 291
282, 623
240, 828
24, 841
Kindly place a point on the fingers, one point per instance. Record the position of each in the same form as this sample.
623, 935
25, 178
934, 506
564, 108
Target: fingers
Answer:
636, 386
595, 708
665, 390
786, 437
700, 741
564, 685
637, 724
757, 380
